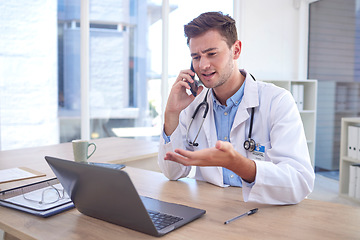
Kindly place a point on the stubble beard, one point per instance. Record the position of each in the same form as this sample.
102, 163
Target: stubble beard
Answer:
223, 78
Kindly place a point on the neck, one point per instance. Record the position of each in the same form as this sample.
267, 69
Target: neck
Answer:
229, 88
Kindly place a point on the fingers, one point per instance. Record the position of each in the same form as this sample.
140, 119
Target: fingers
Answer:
184, 84
184, 157
185, 76
200, 88
184, 153
218, 145
177, 158
223, 146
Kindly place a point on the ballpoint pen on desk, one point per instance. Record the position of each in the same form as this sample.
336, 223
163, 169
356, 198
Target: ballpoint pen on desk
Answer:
252, 211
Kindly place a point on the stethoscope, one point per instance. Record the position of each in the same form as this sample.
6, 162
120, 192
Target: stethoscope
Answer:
203, 103
249, 144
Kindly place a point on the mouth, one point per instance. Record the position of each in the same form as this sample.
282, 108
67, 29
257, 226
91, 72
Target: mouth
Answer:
208, 75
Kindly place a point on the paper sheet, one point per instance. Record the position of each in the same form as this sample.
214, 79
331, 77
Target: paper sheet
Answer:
13, 174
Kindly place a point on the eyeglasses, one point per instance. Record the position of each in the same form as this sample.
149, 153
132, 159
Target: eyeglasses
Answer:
49, 195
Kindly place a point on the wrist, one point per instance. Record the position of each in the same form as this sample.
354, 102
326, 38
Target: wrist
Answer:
242, 166
171, 121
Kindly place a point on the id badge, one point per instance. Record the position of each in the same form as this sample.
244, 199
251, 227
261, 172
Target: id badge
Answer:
258, 153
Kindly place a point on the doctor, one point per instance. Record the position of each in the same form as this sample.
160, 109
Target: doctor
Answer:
268, 158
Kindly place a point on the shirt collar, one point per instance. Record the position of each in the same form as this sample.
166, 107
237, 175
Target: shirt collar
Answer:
234, 100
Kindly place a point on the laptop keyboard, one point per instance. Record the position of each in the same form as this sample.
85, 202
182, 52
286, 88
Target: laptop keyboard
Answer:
162, 220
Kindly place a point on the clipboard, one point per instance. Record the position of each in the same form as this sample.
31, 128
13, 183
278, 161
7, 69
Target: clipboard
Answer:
19, 173
37, 198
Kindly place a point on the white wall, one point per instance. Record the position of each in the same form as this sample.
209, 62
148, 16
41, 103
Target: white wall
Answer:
270, 33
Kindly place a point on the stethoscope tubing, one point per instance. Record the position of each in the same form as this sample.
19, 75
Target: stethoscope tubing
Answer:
203, 103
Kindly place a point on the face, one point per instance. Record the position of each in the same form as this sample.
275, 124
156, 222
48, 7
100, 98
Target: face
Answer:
213, 61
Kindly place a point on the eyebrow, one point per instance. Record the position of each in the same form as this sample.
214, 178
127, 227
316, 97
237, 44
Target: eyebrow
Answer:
205, 51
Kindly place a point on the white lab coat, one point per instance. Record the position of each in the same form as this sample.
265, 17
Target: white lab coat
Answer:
284, 177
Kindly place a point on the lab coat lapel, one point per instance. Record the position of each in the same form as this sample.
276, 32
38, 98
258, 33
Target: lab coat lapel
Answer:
251, 93
249, 100
209, 124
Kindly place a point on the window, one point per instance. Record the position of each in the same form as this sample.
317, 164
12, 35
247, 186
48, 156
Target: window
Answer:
116, 68
40, 67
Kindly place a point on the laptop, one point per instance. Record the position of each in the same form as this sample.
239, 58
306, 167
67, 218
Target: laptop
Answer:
109, 194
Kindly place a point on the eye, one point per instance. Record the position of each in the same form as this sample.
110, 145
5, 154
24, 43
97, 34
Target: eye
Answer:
212, 53
196, 58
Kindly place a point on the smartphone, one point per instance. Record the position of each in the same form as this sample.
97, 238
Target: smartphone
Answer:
195, 85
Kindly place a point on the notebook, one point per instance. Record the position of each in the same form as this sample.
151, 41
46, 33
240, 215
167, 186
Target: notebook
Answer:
109, 194
45, 198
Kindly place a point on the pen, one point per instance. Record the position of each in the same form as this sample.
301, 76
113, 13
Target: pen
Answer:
252, 211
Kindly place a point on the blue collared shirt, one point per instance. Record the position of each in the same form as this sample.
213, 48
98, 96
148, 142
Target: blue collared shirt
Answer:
224, 119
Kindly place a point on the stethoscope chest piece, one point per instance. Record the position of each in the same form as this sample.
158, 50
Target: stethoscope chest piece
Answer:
250, 145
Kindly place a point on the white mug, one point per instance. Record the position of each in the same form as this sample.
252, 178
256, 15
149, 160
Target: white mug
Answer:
81, 150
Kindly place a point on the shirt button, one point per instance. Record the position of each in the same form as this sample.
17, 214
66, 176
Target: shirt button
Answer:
225, 138
232, 175
225, 113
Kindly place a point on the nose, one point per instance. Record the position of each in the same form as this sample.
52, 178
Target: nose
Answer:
204, 63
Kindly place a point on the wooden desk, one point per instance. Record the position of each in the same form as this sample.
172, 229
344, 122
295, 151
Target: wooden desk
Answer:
310, 219
112, 150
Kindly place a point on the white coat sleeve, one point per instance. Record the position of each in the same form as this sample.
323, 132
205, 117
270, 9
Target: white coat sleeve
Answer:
289, 176
170, 169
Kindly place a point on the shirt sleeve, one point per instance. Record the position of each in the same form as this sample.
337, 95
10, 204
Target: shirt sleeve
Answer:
166, 137
249, 185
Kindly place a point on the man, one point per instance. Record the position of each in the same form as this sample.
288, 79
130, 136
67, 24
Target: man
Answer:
252, 136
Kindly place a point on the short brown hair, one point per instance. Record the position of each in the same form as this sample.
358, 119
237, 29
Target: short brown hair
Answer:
212, 20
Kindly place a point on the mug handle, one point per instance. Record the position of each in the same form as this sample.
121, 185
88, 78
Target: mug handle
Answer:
93, 150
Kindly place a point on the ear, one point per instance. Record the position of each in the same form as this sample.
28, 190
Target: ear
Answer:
236, 49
